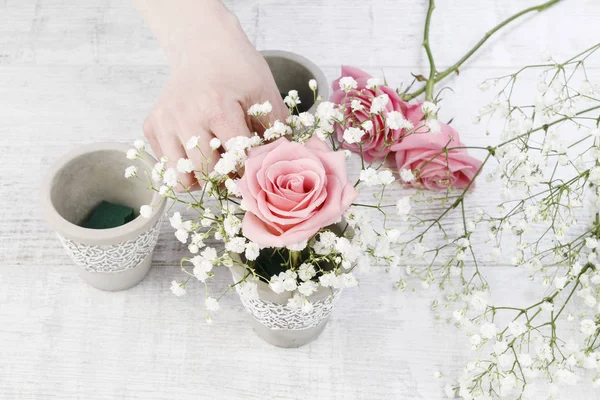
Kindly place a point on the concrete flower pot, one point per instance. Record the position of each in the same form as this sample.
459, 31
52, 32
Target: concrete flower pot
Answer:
277, 323
292, 72
108, 259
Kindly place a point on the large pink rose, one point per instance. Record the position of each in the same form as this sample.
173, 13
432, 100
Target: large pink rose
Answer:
292, 190
422, 153
374, 141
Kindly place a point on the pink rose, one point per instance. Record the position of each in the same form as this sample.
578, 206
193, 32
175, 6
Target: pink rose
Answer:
374, 141
292, 190
423, 154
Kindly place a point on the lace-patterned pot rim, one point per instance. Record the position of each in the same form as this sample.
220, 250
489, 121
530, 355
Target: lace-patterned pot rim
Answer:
83, 235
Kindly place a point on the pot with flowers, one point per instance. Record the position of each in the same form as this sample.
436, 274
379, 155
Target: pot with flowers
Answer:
287, 212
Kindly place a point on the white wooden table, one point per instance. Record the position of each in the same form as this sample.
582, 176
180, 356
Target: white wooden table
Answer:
78, 72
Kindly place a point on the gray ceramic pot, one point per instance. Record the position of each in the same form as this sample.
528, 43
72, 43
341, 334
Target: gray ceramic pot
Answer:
277, 323
292, 72
108, 259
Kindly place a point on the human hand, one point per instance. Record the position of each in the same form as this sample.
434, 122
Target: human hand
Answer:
216, 75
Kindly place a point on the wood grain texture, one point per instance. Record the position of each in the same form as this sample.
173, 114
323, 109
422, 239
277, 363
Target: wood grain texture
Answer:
74, 73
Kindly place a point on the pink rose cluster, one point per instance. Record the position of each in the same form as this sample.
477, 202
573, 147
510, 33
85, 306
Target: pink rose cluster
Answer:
414, 149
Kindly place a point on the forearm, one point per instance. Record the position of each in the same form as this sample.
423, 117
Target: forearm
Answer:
184, 26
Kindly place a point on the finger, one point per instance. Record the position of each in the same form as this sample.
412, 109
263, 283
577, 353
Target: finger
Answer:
229, 124
173, 149
201, 155
150, 134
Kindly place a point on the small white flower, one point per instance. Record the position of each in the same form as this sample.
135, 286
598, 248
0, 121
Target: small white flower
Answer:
163, 190
139, 144
395, 120
292, 99
178, 223
296, 301
475, 339
306, 119
588, 327
252, 251
373, 83
131, 171
385, 177
248, 290
214, 143
560, 281
177, 289
306, 272
170, 177
307, 288
132, 154
277, 130
347, 154
260, 109
146, 211
429, 108
484, 86
403, 206
434, 126
488, 330
211, 304
192, 143
369, 177
591, 243
312, 84
185, 165
236, 245
406, 175
353, 135
378, 104
232, 225
356, 105
226, 163
525, 359
347, 83
458, 314
367, 125
232, 187
182, 235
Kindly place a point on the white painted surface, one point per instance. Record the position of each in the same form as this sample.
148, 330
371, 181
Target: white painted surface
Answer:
78, 72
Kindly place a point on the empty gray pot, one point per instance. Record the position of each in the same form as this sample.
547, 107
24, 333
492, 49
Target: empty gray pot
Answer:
292, 72
277, 323
108, 259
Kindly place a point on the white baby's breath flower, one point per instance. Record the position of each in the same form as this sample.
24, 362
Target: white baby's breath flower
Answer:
560, 281
434, 126
131, 171
379, 103
132, 154
248, 290
214, 143
374, 83
192, 143
182, 235
385, 177
353, 135
488, 330
139, 144
232, 225
406, 175
306, 272
312, 84
146, 211
232, 187
403, 206
369, 177
307, 288
297, 246
260, 109
236, 245
588, 327
177, 289
356, 105
306, 119
292, 99
170, 177
367, 125
277, 130
429, 108
347, 83
484, 86
211, 304
226, 164
185, 165
252, 251
395, 120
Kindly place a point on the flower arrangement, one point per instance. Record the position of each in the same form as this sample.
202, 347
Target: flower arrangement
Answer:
292, 219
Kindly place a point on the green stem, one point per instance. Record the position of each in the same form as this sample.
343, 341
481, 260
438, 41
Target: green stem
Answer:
426, 45
438, 77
